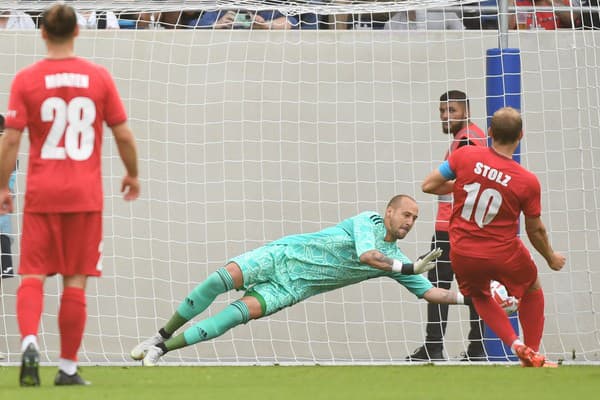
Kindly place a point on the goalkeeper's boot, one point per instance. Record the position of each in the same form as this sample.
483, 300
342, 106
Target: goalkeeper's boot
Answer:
30, 365
140, 350
62, 379
152, 356
426, 353
530, 358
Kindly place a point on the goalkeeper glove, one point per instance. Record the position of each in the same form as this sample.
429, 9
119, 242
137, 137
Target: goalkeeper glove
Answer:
427, 261
423, 264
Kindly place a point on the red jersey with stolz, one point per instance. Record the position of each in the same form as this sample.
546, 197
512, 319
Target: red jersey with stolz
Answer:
476, 137
63, 103
490, 192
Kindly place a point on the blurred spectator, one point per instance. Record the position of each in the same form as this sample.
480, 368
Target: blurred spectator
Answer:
311, 21
373, 20
547, 20
425, 20
358, 21
244, 19
590, 19
16, 20
584, 17
167, 19
369, 20
481, 15
91, 19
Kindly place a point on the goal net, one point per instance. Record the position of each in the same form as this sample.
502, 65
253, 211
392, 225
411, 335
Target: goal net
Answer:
247, 135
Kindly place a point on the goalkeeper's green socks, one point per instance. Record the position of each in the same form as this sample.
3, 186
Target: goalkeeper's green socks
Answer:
234, 314
200, 298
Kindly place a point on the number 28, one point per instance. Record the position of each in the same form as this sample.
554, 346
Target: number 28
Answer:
74, 121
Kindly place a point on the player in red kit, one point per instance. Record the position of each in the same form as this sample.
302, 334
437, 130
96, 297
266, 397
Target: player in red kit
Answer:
455, 115
63, 101
490, 191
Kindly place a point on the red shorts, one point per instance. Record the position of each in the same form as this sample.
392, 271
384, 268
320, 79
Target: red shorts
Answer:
61, 243
516, 271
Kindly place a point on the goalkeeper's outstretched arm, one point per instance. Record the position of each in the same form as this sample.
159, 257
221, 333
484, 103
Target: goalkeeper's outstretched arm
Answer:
377, 259
443, 296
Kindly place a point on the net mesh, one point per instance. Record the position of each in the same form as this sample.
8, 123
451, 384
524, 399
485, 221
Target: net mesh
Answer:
246, 136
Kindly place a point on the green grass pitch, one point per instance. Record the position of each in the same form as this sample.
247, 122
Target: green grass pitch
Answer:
316, 382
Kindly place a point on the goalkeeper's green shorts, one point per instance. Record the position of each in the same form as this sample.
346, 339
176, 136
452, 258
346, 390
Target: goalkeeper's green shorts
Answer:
263, 278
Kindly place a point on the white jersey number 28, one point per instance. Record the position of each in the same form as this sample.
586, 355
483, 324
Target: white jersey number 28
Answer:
74, 121
486, 208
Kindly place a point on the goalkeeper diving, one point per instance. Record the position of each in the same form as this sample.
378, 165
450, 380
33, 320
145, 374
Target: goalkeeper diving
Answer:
294, 268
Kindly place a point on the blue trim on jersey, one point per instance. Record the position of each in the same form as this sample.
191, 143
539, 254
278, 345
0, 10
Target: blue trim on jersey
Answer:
446, 171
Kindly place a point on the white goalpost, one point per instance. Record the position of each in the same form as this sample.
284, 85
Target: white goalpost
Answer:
248, 135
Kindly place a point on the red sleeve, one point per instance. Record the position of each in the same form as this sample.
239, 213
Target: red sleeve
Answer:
115, 110
454, 156
16, 115
450, 161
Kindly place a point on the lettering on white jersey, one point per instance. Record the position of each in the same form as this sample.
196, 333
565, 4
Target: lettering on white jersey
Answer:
67, 79
492, 174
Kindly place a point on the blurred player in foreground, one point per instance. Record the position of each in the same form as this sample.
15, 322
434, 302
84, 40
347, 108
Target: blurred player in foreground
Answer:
63, 100
6, 231
490, 191
294, 268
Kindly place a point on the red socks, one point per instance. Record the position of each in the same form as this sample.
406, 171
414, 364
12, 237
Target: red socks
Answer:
30, 302
495, 317
71, 316
531, 317
71, 321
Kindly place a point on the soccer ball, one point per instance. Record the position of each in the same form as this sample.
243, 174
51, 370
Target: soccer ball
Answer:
509, 303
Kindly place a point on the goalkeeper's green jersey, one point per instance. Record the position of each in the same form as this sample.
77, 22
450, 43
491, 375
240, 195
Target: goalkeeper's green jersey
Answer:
331, 258
312, 263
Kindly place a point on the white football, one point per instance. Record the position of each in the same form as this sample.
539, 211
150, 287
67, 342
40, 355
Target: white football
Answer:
509, 303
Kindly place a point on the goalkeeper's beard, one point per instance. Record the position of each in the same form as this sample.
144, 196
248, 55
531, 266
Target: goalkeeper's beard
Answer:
401, 233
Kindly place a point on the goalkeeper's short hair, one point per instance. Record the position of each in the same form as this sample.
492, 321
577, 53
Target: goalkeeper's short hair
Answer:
395, 201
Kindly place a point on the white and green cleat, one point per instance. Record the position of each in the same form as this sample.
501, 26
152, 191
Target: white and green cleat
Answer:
139, 351
152, 356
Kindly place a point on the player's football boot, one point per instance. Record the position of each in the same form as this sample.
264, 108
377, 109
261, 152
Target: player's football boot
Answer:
62, 379
549, 364
475, 353
152, 356
140, 350
30, 365
530, 358
426, 354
